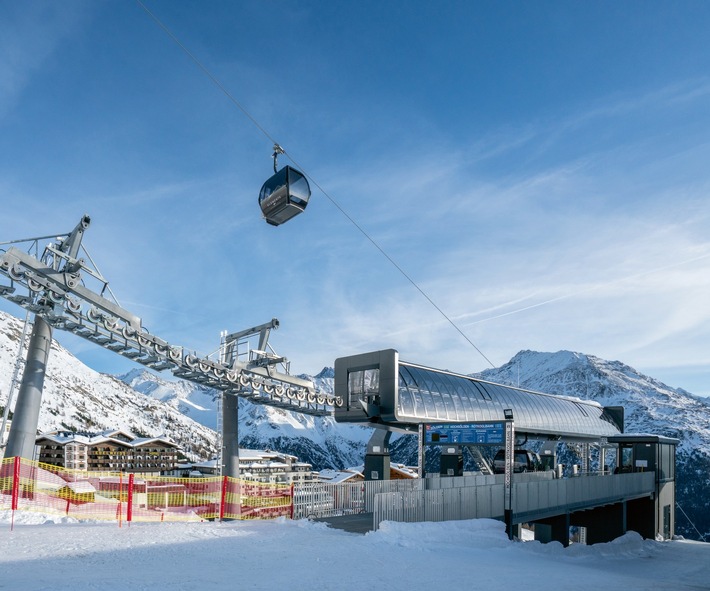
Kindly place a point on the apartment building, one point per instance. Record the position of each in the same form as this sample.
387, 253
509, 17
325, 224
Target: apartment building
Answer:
109, 451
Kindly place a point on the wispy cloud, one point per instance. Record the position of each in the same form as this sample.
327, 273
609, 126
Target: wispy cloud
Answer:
564, 254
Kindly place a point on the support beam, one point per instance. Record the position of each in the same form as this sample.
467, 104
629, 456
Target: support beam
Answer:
603, 524
421, 451
377, 459
553, 529
23, 432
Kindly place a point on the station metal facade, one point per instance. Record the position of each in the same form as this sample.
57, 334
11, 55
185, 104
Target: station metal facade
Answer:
379, 388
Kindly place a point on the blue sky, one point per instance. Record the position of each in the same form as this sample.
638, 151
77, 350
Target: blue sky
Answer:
540, 170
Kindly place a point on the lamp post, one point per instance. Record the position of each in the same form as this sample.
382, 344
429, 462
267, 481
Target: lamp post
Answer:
509, 453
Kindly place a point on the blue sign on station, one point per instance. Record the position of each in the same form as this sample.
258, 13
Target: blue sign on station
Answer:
480, 433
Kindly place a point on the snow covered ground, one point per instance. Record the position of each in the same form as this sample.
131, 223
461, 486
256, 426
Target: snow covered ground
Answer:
41, 554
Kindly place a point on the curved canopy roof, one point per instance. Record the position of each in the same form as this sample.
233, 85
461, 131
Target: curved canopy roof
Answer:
379, 388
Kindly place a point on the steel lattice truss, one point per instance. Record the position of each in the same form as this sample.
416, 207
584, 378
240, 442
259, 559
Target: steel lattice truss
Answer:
70, 295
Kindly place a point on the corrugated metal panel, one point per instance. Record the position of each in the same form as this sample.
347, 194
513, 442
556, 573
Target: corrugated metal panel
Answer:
430, 395
532, 499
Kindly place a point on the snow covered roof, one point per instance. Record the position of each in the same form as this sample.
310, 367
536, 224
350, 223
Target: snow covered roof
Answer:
66, 437
46, 480
262, 454
405, 471
118, 433
337, 476
84, 440
208, 464
81, 487
151, 440
267, 464
256, 458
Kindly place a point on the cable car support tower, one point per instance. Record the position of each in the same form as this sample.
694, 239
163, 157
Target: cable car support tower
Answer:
66, 292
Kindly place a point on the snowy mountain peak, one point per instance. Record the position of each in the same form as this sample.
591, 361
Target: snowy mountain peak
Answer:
530, 363
651, 406
326, 372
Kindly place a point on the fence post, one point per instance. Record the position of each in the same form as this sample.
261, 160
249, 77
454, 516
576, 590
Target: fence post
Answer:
119, 509
223, 497
15, 489
15, 481
129, 507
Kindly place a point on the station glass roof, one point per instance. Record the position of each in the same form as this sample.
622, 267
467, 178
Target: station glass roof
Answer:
429, 395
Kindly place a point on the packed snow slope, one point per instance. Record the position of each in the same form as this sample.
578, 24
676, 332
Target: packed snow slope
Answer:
78, 398
304, 555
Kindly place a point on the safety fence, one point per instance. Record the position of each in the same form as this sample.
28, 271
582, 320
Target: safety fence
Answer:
33, 486
446, 504
36, 487
325, 499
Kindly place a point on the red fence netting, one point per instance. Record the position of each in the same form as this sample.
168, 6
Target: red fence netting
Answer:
33, 486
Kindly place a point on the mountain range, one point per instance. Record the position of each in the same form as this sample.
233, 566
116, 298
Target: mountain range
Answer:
650, 406
79, 398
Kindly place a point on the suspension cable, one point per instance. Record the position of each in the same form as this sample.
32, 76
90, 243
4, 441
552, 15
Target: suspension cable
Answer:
204, 69
263, 130
702, 537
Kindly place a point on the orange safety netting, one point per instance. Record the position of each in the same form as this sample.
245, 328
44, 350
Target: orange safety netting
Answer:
33, 486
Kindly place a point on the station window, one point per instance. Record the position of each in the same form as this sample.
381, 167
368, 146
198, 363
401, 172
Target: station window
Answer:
364, 382
666, 465
627, 458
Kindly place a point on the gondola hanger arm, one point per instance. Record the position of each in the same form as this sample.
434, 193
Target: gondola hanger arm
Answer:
277, 150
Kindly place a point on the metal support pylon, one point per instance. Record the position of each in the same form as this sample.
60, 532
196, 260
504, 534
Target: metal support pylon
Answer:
23, 432
66, 293
14, 380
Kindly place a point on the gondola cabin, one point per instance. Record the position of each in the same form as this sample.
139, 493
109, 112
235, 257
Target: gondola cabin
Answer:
284, 196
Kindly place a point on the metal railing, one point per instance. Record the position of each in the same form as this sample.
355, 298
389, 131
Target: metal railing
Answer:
323, 499
31, 486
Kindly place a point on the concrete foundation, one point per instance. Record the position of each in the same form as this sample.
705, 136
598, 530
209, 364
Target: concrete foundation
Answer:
603, 524
553, 529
